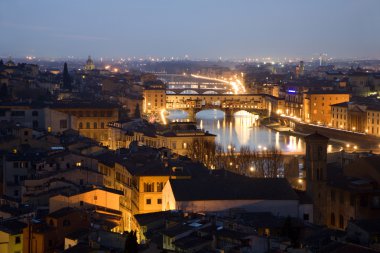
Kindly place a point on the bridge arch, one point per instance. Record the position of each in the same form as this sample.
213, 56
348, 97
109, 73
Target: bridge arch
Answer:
210, 113
189, 92
210, 92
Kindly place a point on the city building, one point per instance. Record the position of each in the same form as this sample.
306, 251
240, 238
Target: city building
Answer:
177, 136
11, 236
48, 234
362, 117
89, 64
92, 117
154, 98
340, 192
220, 194
317, 105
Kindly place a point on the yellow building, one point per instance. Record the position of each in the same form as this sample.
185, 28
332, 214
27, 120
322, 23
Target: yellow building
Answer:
339, 114
91, 118
116, 176
357, 117
317, 105
373, 121
11, 236
154, 98
176, 136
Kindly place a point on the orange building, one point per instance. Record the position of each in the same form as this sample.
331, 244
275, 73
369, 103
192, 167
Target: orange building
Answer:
92, 117
45, 237
317, 105
154, 98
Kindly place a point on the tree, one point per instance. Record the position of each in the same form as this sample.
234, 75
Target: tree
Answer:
66, 78
131, 245
1, 62
137, 112
202, 151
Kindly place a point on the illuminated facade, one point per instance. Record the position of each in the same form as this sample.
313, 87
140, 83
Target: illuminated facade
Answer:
154, 98
356, 117
177, 136
317, 105
89, 64
91, 118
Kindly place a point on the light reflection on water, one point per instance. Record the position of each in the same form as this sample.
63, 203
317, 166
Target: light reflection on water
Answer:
242, 130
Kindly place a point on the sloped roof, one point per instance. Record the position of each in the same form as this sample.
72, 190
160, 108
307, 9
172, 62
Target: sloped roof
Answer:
316, 136
232, 187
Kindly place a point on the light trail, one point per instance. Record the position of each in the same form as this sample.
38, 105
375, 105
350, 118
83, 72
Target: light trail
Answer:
236, 84
162, 114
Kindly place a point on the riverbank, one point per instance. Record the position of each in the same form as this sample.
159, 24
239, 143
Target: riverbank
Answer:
362, 141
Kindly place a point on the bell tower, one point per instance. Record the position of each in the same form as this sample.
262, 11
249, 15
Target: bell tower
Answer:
315, 161
316, 174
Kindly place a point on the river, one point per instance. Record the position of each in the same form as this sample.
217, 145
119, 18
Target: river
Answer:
242, 130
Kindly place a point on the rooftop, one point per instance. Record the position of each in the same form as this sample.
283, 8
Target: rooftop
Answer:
232, 187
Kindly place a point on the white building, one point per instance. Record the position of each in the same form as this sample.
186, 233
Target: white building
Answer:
220, 194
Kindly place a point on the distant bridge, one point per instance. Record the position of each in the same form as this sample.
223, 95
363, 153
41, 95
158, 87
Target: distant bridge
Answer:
228, 103
185, 84
197, 91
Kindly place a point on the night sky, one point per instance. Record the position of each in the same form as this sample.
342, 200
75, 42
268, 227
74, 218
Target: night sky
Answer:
198, 28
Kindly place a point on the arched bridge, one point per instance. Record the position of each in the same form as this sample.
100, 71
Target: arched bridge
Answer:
198, 91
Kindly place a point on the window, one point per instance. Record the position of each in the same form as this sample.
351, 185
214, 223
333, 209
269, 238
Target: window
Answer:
148, 187
63, 124
81, 203
102, 125
17, 240
34, 113
159, 201
160, 187
148, 201
15, 193
95, 125
80, 125
26, 133
88, 125
306, 216
332, 219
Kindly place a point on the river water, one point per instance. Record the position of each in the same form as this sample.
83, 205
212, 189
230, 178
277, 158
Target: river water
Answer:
242, 130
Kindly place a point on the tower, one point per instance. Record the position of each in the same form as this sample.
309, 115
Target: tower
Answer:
316, 174
302, 68
89, 64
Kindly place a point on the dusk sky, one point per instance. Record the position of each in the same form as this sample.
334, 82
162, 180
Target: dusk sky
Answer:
198, 28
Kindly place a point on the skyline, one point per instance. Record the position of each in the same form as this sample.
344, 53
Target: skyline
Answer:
212, 29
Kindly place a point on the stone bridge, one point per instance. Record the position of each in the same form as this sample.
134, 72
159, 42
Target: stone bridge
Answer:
197, 91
